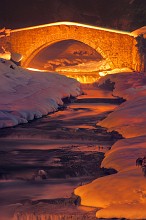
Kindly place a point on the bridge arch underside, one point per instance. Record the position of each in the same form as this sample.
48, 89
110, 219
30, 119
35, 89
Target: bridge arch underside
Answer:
98, 54
63, 53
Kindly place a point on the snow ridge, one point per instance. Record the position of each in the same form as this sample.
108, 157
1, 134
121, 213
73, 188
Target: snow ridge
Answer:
25, 94
122, 195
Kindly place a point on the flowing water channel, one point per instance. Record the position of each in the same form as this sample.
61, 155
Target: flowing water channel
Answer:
69, 146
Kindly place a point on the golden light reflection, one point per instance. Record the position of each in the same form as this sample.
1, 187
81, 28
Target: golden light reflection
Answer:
87, 77
38, 70
102, 73
84, 78
72, 24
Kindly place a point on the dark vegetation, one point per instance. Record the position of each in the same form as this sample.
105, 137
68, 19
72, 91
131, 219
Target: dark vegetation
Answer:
67, 164
118, 14
108, 85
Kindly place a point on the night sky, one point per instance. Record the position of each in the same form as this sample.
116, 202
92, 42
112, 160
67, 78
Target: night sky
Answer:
118, 14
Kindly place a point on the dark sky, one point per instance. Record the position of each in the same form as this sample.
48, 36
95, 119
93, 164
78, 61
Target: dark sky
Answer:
120, 14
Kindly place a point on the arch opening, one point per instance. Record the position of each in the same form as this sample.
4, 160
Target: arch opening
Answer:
71, 58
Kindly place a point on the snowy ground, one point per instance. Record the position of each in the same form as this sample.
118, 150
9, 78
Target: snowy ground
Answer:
25, 94
122, 195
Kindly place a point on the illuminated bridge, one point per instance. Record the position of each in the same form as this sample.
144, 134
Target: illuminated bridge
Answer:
118, 48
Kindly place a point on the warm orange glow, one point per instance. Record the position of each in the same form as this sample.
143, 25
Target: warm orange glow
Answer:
83, 78
116, 70
6, 55
34, 69
72, 24
87, 77
116, 47
102, 73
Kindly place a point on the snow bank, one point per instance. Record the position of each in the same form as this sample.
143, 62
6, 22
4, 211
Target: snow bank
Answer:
25, 95
129, 119
122, 195
140, 31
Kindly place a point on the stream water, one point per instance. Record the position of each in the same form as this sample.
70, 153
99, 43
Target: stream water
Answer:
69, 146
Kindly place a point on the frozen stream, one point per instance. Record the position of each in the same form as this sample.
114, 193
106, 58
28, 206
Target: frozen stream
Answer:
68, 145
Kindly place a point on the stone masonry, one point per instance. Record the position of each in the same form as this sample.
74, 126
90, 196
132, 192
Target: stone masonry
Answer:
117, 47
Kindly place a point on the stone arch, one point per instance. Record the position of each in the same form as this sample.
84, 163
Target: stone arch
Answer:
38, 49
117, 47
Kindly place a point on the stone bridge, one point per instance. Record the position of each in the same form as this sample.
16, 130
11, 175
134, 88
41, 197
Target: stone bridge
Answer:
117, 47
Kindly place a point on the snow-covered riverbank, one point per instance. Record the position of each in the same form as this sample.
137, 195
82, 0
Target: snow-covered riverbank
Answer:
122, 195
25, 95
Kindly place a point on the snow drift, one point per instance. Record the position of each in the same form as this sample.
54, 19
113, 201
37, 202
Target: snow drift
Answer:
25, 95
122, 195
